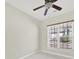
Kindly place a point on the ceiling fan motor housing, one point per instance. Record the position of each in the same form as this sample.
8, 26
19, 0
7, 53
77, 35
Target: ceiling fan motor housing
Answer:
50, 1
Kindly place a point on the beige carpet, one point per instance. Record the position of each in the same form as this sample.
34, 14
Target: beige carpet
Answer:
45, 56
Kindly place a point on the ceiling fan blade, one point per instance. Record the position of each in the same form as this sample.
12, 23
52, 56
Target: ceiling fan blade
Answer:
56, 7
45, 13
38, 7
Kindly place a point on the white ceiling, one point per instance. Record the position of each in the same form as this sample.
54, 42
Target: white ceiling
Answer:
27, 6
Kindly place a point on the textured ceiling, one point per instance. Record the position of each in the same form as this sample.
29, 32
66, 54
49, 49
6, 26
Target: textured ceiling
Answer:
27, 6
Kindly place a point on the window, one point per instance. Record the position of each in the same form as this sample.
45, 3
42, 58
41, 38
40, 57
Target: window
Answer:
60, 35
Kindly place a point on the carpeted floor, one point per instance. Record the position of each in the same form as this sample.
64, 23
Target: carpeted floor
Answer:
45, 56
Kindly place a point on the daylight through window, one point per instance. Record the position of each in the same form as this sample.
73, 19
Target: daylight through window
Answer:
60, 35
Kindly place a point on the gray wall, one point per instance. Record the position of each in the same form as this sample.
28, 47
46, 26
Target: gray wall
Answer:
22, 34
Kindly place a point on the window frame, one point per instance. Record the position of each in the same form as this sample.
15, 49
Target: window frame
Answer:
58, 42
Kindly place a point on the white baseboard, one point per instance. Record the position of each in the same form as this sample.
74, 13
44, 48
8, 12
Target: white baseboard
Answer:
32, 53
62, 55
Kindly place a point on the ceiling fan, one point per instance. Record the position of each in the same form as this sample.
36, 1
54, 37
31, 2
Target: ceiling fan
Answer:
48, 4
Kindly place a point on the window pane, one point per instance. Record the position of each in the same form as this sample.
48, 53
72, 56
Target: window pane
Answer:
60, 36
52, 37
65, 37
